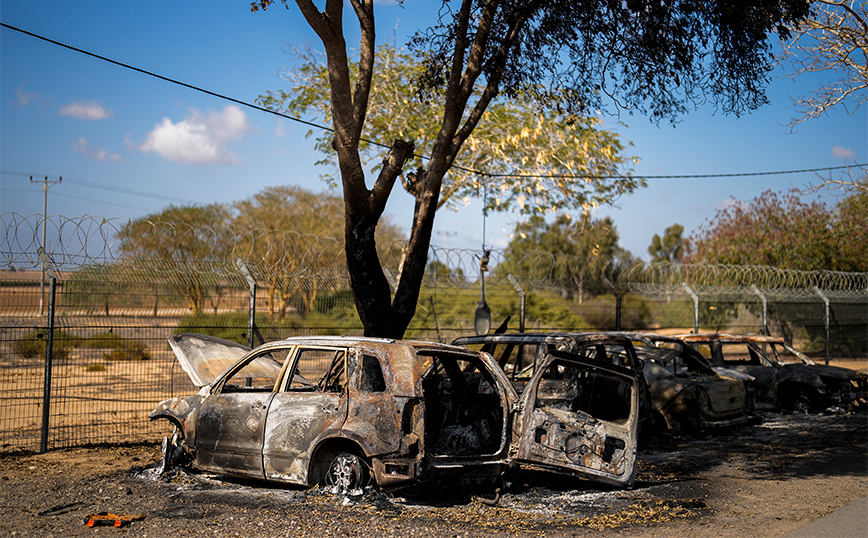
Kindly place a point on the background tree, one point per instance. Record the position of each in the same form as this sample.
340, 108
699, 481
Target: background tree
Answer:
579, 253
182, 239
292, 231
832, 39
783, 231
668, 249
513, 137
647, 57
296, 233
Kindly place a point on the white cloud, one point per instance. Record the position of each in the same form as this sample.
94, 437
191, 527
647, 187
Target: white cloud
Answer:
24, 97
95, 154
86, 110
199, 138
279, 131
843, 153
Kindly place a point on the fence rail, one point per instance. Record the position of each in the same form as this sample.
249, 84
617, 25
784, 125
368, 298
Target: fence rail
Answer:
117, 299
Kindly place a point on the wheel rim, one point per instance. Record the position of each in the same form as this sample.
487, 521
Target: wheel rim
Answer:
802, 405
347, 472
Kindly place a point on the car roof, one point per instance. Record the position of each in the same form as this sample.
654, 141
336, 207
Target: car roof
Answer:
733, 338
537, 337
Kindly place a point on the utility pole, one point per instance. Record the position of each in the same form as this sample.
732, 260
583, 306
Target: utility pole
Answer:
46, 184
447, 235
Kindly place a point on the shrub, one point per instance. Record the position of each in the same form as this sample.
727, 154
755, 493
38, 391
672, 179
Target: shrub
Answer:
95, 367
33, 345
121, 349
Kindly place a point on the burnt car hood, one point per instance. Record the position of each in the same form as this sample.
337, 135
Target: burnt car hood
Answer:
823, 371
205, 357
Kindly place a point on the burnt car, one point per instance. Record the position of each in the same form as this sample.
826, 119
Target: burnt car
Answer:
347, 410
800, 386
694, 398
688, 394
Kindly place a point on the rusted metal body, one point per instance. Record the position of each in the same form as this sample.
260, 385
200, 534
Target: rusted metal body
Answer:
696, 398
341, 409
688, 394
786, 379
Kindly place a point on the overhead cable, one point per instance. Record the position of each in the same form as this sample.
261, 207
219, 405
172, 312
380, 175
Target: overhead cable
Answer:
458, 167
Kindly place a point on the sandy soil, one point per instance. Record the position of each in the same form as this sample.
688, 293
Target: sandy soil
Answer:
762, 480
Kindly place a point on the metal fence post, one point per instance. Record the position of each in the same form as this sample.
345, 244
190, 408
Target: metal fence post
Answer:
617, 303
825, 299
765, 301
695, 307
49, 347
522, 300
251, 309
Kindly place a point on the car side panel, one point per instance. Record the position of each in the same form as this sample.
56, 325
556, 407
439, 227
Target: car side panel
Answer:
230, 432
296, 422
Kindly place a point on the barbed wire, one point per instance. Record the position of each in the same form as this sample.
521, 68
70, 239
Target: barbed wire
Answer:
280, 258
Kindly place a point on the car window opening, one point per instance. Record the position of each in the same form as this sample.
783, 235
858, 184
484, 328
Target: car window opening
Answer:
590, 395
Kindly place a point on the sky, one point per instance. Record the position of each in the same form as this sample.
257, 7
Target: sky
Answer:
127, 144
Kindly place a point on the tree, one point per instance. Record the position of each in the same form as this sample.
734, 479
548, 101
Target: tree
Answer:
297, 235
646, 56
850, 230
182, 238
668, 249
580, 254
514, 137
851, 180
832, 40
784, 232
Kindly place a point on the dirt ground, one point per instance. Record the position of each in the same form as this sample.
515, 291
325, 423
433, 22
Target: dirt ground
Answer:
761, 480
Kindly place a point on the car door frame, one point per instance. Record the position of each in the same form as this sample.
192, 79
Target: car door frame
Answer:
299, 420
553, 439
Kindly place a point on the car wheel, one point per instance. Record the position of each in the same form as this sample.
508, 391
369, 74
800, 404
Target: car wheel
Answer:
802, 405
347, 472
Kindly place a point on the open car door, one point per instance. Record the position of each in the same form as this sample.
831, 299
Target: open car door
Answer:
580, 416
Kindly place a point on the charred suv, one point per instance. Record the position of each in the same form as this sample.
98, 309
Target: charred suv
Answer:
786, 379
348, 410
688, 394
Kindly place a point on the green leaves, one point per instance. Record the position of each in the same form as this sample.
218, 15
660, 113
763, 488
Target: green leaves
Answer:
785, 232
531, 161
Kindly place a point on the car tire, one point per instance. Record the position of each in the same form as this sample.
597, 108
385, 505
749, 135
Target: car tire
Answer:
347, 472
802, 405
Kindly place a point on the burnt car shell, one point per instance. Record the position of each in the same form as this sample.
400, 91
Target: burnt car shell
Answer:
686, 392
303, 409
802, 386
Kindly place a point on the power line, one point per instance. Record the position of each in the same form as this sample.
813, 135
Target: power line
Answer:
103, 186
693, 176
457, 167
167, 79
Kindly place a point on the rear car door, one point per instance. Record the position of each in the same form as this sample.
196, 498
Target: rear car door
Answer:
580, 416
311, 405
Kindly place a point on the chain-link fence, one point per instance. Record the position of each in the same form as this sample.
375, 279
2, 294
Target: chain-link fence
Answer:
83, 347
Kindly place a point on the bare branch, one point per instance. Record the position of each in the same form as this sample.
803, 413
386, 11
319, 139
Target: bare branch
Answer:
849, 182
834, 39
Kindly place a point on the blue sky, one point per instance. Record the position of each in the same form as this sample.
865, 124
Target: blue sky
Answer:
128, 144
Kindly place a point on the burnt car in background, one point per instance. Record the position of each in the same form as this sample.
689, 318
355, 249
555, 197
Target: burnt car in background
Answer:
688, 394
693, 398
345, 410
801, 386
